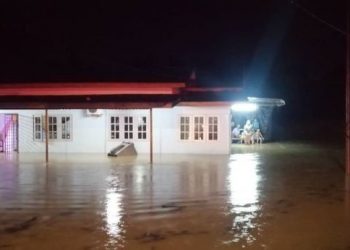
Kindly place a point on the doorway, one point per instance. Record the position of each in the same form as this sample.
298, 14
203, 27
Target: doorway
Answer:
8, 132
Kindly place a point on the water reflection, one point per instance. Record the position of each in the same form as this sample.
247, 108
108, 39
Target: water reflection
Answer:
243, 183
347, 197
113, 214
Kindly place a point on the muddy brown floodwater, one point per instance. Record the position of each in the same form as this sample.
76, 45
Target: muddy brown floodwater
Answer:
271, 196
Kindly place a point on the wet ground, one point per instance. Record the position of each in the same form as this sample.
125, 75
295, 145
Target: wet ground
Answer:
271, 196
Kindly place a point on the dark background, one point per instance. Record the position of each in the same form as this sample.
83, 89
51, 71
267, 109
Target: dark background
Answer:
270, 47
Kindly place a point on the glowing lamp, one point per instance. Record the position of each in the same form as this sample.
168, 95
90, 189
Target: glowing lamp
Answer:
244, 107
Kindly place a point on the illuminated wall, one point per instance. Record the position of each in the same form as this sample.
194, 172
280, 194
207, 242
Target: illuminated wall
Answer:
91, 134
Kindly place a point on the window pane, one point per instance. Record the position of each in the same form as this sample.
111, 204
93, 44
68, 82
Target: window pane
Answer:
198, 128
114, 127
66, 127
184, 127
213, 128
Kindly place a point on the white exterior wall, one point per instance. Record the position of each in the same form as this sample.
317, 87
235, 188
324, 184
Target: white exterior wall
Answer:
166, 125
92, 135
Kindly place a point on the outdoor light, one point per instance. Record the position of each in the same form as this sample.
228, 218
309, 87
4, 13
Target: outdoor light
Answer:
244, 107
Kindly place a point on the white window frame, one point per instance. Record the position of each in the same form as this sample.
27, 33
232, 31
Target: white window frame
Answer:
142, 128
38, 128
66, 127
128, 127
115, 130
198, 126
185, 128
207, 128
59, 127
213, 121
53, 133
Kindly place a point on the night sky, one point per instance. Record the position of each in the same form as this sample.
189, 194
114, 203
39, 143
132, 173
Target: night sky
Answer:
270, 47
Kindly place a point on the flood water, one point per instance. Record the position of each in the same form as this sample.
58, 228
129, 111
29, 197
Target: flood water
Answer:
271, 196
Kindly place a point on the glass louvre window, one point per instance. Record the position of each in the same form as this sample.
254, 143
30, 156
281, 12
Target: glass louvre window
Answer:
52, 127
66, 127
128, 127
38, 128
213, 128
114, 127
198, 128
184, 127
142, 128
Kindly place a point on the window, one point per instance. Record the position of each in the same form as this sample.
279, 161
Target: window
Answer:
198, 128
114, 127
142, 128
38, 128
52, 127
66, 127
128, 127
184, 127
213, 128
59, 127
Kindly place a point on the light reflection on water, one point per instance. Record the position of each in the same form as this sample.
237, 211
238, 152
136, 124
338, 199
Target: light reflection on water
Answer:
182, 202
243, 182
113, 214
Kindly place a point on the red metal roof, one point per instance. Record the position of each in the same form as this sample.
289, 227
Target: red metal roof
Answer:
110, 95
96, 88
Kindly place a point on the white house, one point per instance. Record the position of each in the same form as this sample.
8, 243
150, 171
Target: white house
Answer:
83, 118
97, 117
197, 130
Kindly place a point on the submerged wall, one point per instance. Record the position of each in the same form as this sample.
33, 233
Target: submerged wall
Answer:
167, 131
91, 134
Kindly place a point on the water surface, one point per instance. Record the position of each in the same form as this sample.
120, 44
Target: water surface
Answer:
271, 196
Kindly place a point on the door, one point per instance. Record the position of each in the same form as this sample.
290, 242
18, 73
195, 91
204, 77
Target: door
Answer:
8, 132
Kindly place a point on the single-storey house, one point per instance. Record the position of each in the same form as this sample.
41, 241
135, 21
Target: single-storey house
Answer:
168, 117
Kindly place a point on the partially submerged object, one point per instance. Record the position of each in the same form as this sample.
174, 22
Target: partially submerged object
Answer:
124, 149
